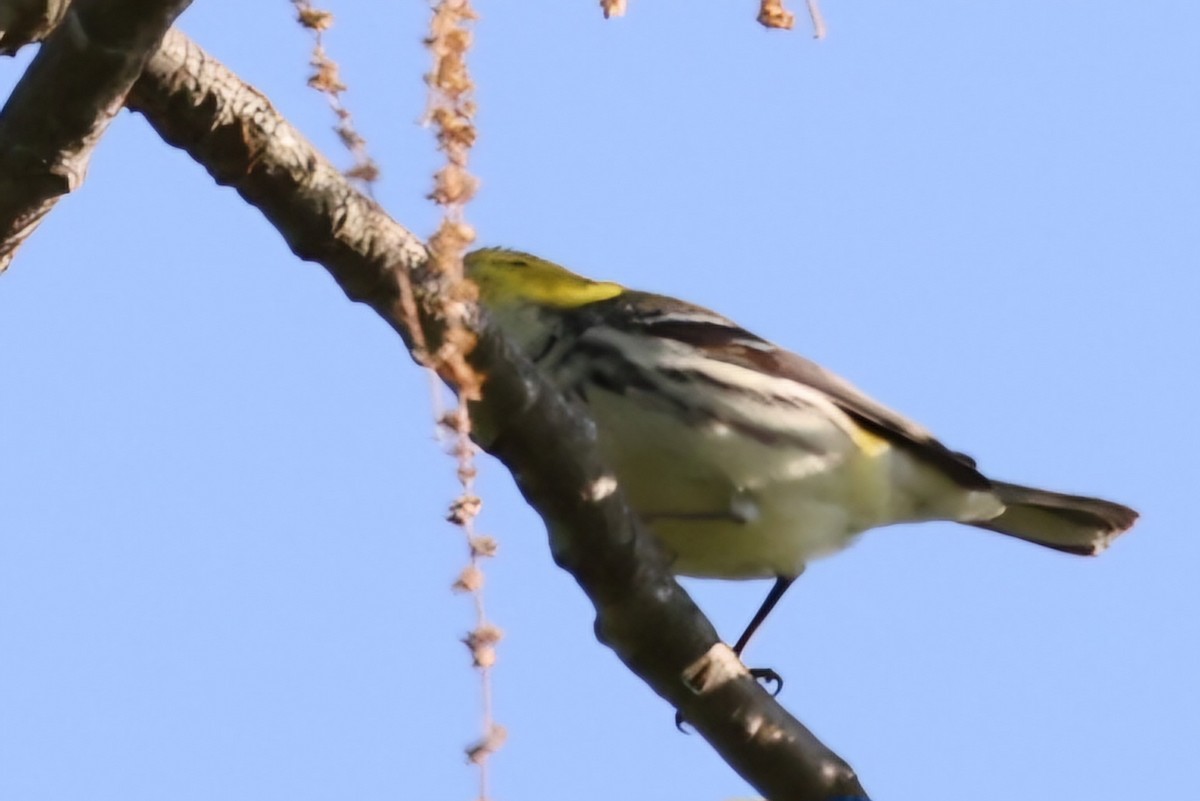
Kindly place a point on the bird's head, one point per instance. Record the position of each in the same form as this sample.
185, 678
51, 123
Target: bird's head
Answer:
509, 279
531, 298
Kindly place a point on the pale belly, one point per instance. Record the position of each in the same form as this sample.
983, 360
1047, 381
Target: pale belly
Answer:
729, 506
772, 542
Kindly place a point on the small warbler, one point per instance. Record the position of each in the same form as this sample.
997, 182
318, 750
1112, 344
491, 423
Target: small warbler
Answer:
744, 458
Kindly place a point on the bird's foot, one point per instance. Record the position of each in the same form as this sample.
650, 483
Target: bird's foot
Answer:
766, 676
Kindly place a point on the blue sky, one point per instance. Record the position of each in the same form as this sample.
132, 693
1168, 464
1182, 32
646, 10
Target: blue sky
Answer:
223, 569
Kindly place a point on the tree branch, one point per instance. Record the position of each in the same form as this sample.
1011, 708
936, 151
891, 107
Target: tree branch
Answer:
197, 104
24, 22
64, 102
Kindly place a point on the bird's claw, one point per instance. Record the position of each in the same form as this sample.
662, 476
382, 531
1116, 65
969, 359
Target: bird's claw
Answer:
765, 675
768, 677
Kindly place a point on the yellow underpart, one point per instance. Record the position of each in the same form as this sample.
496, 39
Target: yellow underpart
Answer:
505, 276
870, 443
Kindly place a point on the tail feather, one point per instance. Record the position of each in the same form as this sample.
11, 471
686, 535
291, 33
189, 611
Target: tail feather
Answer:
1070, 523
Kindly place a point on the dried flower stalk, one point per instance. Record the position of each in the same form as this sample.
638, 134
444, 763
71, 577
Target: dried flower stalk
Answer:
451, 114
325, 79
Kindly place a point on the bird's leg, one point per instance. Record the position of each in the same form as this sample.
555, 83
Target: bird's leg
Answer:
742, 509
765, 675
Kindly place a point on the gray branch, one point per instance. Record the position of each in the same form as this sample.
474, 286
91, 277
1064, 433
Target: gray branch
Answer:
231, 129
64, 102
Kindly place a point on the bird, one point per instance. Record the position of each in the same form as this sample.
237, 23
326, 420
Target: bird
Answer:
746, 460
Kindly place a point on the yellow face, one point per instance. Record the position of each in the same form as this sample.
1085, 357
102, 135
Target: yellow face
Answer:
509, 278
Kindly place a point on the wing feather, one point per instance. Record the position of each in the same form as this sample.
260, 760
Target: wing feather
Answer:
723, 339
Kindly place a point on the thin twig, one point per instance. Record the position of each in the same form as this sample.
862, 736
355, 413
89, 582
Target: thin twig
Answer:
818, 20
